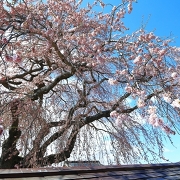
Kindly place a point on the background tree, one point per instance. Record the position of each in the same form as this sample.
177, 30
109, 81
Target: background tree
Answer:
67, 75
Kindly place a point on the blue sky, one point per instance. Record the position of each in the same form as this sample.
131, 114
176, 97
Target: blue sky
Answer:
158, 15
161, 17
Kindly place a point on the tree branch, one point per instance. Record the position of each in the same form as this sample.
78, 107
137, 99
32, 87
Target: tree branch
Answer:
47, 88
63, 155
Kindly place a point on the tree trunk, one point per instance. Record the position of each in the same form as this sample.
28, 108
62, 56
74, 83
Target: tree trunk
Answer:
9, 157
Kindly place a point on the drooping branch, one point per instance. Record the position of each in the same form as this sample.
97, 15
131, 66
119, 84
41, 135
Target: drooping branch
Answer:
81, 123
52, 138
65, 153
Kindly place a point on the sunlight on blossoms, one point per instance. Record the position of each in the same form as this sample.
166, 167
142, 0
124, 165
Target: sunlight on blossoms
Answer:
112, 81
138, 60
155, 121
176, 103
120, 119
141, 103
174, 75
114, 114
166, 97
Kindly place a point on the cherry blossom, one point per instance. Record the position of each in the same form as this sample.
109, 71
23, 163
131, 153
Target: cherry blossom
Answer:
119, 120
153, 120
160, 122
174, 75
167, 97
176, 103
128, 88
152, 109
112, 81
130, 7
4, 40
70, 74
114, 114
17, 58
9, 58
141, 103
168, 130
138, 60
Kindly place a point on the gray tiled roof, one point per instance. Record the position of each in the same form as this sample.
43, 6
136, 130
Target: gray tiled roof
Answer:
168, 171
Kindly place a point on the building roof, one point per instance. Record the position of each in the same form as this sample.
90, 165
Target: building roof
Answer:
122, 172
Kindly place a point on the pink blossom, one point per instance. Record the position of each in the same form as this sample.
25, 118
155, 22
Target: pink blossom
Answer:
151, 35
176, 103
129, 7
57, 19
17, 58
152, 110
168, 130
112, 81
165, 43
174, 75
118, 72
162, 52
160, 122
150, 44
114, 114
120, 119
123, 72
120, 14
138, 60
156, 50
102, 4
153, 119
128, 89
4, 40
141, 38
141, 103
9, 58
166, 97
132, 57
147, 56
142, 93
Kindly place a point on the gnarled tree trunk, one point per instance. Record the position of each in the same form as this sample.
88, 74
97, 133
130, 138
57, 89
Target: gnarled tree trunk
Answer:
9, 157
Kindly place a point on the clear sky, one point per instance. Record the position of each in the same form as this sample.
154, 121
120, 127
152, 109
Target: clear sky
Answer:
163, 18
159, 15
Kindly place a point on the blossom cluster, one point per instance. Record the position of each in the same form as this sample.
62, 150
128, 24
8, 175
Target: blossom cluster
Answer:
112, 81
119, 118
155, 121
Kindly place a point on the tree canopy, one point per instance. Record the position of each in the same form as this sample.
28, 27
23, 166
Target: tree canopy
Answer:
74, 83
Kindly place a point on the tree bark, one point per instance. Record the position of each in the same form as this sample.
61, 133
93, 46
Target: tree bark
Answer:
10, 155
